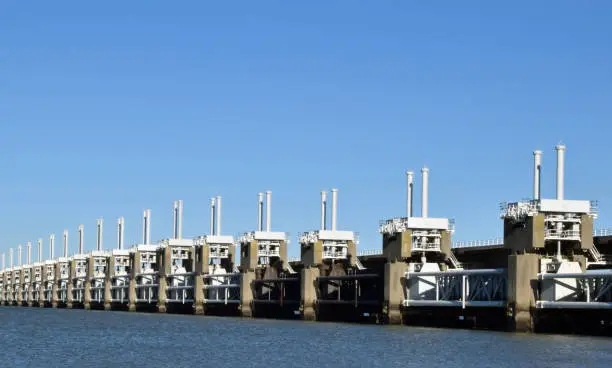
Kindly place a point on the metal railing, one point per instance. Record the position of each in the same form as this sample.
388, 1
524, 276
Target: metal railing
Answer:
120, 288
456, 288
370, 252
179, 287
222, 288
591, 290
564, 234
478, 243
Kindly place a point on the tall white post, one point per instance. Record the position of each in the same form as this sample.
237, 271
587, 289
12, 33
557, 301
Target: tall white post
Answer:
323, 209
537, 173
19, 255
65, 243
11, 257
425, 193
334, 219
178, 219
40, 246
99, 232
260, 211
29, 252
3, 265
268, 210
120, 232
212, 216
409, 186
218, 208
560, 170
81, 239
51, 246
146, 227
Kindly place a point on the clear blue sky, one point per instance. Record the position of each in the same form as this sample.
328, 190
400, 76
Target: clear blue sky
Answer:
108, 108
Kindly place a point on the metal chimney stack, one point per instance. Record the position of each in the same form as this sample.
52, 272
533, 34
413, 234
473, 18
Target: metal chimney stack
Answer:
65, 243
334, 193
19, 255
99, 232
146, 227
120, 232
425, 193
218, 208
409, 187
178, 219
40, 245
537, 173
260, 205
268, 210
81, 238
560, 170
51, 246
212, 216
29, 252
323, 209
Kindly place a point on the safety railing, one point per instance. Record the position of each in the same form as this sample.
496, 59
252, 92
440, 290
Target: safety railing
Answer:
119, 288
456, 288
179, 287
563, 234
478, 243
147, 285
592, 290
97, 289
370, 252
222, 288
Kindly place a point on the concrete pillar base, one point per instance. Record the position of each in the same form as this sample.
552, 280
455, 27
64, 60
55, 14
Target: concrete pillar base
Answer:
54, 304
246, 294
199, 309
393, 316
309, 293
394, 292
522, 322
131, 307
161, 308
87, 306
309, 313
69, 305
107, 306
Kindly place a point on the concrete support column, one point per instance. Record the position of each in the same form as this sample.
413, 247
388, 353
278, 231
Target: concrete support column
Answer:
69, 298
309, 293
198, 294
30, 290
134, 270
165, 268
87, 296
162, 301
394, 292
55, 287
246, 293
41, 290
522, 285
19, 294
132, 294
107, 286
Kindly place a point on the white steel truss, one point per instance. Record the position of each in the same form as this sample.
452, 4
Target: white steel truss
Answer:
458, 288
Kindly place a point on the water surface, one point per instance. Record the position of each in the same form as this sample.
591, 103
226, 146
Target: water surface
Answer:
58, 338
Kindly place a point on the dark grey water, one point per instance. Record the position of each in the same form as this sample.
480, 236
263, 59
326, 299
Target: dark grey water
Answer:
48, 337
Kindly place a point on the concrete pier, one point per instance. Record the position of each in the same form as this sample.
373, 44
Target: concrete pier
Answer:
308, 287
522, 275
548, 273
